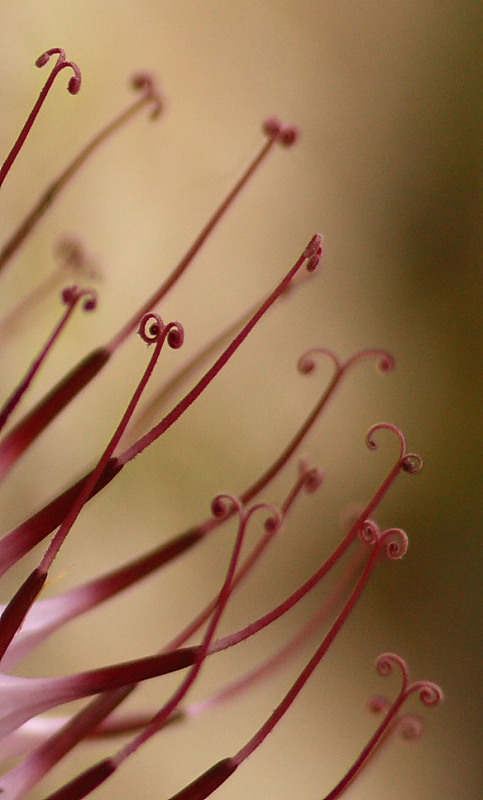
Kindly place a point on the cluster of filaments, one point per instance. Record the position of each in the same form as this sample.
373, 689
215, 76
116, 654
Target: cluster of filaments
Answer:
36, 742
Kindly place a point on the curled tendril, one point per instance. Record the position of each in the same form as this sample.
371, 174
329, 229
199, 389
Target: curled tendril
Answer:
307, 363
75, 81
409, 462
429, 693
395, 541
312, 476
71, 254
410, 727
370, 532
412, 463
378, 704
175, 335
273, 522
153, 330
289, 135
386, 662
385, 361
225, 504
314, 252
72, 294
272, 127
145, 82
371, 442
286, 135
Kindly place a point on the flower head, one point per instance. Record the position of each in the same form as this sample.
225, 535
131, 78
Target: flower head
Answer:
38, 742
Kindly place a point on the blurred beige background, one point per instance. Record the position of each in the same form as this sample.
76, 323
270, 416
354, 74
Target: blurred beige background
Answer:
388, 96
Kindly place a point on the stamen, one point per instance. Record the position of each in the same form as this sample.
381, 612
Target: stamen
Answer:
290, 649
310, 480
311, 257
16, 610
73, 87
368, 532
386, 539
221, 506
196, 246
24, 698
70, 296
409, 462
93, 777
205, 784
149, 96
73, 260
84, 723
197, 360
80, 376
430, 694
19, 541
306, 365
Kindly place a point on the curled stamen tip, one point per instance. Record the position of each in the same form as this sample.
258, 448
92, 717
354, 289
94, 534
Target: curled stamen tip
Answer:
44, 57
74, 85
410, 727
313, 479
430, 693
272, 127
314, 252
145, 82
307, 363
75, 81
42, 60
151, 327
371, 443
386, 662
370, 532
412, 463
287, 135
378, 703
396, 541
223, 504
385, 361
90, 303
72, 294
70, 251
274, 522
175, 335
72, 256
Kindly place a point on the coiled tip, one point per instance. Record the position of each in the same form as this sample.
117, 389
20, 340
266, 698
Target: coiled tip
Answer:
286, 135
144, 81
75, 82
314, 251
412, 463
223, 505
175, 336
71, 295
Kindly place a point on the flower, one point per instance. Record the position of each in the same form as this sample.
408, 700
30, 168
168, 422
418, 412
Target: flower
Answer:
27, 619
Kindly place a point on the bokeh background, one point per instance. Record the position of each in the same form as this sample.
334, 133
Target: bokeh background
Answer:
388, 96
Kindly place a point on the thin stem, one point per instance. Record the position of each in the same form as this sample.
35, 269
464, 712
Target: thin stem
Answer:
49, 195
73, 88
275, 717
16, 610
27, 430
71, 298
311, 257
